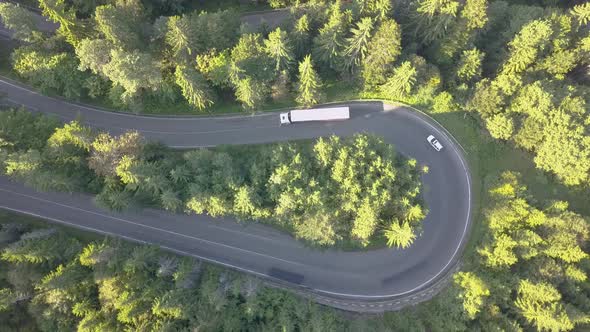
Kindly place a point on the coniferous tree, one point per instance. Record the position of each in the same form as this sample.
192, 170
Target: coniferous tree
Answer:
309, 86
401, 82
382, 51
279, 49
328, 46
357, 44
194, 87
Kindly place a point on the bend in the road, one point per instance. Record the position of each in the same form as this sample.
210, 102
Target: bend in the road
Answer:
384, 275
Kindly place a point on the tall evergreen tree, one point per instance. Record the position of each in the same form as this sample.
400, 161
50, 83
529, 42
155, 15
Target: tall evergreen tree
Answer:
382, 51
309, 86
357, 44
401, 82
279, 48
194, 87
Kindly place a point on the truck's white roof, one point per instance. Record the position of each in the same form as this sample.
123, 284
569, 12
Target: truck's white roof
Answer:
319, 114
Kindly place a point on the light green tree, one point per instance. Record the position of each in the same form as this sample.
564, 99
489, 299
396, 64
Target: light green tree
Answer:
50, 72
474, 13
73, 133
400, 84
474, 292
382, 51
525, 46
376, 8
581, 13
357, 44
121, 24
365, 222
251, 93
500, 126
179, 36
94, 54
469, 66
107, 151
20, 21
443, 103
398, 234
70, 27
565, 150
328, 46
278, 47
300, 36
486, 100
432, 18
134, 71
309, 86
539, 304
194, 87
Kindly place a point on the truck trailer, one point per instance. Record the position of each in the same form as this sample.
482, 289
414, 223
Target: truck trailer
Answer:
317, 114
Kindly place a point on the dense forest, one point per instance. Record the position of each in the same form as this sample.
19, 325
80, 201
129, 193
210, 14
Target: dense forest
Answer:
348, 191
50, 281
529, 272
519, 69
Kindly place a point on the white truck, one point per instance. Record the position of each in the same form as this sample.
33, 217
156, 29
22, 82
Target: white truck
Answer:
317, 114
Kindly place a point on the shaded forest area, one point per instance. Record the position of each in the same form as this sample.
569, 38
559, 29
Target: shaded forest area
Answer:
52, 281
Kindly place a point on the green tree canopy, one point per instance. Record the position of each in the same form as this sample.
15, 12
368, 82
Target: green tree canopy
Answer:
357, 44
382, 51
279, 48
134, 71
401, 82
309, 86
194, 87
20, 20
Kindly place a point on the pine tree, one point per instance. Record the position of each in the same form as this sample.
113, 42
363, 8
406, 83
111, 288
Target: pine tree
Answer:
357, 44
399, 235
308, 88
194, 87
399, 85
328, 45
300, 35
382, 51
278, 47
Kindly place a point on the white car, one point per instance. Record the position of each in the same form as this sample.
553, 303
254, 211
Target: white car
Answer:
434, 142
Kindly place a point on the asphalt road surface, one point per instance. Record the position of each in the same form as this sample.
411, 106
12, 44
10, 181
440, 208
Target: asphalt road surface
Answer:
42, 24
352, 277
272, 18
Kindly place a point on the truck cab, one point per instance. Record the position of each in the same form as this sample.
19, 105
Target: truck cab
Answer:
285, 118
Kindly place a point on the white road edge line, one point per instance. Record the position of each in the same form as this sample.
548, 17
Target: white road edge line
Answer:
6, 81
154, 228
465, 228
466, 172
59, 221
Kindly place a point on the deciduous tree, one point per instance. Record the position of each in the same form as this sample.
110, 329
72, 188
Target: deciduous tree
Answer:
134, 71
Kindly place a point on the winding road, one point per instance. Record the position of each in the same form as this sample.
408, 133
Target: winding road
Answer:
376, 280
